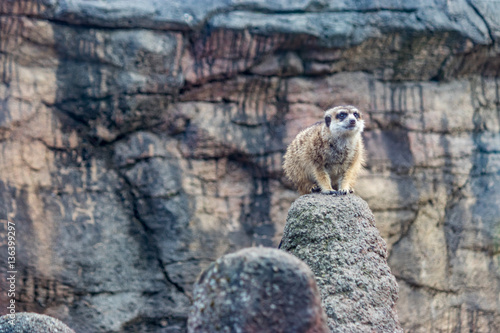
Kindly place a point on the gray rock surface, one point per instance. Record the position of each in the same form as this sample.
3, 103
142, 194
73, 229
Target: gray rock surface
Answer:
257, 290
32, 322
140, 141
337, 238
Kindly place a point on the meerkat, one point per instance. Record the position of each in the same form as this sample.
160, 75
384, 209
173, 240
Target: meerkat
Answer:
329, 154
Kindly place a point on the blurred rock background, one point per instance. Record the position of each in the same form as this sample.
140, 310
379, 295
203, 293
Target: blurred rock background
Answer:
141, 140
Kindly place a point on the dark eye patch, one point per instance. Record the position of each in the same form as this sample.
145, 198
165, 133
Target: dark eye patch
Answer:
356, 115
341, 115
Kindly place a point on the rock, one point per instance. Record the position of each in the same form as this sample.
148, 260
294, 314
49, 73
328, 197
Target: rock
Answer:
257, 290
336, 236
32, 322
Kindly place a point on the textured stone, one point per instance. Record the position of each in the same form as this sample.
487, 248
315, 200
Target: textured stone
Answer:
336, 236
257, 290
32, 322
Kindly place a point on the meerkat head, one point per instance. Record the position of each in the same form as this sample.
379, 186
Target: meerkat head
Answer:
344, 119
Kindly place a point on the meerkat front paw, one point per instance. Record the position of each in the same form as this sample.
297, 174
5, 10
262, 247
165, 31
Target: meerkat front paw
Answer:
330, 192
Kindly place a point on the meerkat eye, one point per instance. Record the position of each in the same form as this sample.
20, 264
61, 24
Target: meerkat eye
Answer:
341, 115
356, 115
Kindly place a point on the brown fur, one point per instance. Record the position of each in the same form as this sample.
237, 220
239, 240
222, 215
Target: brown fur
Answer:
328, 157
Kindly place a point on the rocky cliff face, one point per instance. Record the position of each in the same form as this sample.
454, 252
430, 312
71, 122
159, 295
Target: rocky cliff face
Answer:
142, 140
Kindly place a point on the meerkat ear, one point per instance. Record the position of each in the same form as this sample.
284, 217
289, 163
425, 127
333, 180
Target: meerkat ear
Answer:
328, 120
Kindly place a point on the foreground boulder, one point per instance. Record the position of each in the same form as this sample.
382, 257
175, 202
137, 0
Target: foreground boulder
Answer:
32, 322
336, 236
257, 290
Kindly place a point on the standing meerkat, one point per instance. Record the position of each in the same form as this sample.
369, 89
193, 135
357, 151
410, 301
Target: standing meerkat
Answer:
328, 154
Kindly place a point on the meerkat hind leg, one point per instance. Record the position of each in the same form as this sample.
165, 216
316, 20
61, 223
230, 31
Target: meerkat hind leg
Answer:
324, 182
344, 186
316, 189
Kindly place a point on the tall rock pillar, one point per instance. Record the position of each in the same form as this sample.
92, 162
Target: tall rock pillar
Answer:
336, 236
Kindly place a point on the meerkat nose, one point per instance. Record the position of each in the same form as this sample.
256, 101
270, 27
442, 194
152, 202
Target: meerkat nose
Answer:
352, 121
